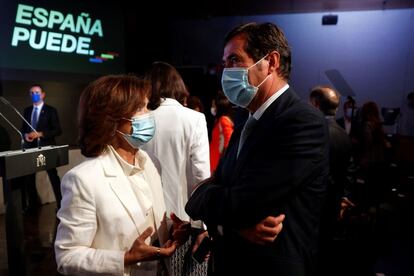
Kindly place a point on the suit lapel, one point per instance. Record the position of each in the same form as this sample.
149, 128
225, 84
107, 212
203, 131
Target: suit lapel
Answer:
117, 182
261, 128
41, 117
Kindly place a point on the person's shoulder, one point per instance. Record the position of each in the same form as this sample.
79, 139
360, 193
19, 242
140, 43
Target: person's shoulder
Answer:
193, 112
341, 121
48, 107
81, 172
88, 165
191, 115
226, 120
336, 129
304, 111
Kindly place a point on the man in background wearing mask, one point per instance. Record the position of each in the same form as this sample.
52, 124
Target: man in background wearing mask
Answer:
275, 165
350, 113
44, 119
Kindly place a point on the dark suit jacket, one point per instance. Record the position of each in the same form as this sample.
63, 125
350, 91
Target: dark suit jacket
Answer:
341, 176
48, 123
282, 168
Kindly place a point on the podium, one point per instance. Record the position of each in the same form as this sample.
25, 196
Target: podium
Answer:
15, 164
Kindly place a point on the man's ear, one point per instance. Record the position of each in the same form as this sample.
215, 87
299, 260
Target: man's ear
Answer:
274, 61
314, 102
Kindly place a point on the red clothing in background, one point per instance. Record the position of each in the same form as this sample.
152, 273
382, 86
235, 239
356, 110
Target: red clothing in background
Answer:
220, 137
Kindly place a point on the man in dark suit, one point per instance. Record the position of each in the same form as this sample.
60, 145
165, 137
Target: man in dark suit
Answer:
44, 119
341, 177
277, 163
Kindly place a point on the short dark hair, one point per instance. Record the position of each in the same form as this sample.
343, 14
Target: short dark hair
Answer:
261, 39
328, 105
38, 85
103, 103
166, 82
410, 96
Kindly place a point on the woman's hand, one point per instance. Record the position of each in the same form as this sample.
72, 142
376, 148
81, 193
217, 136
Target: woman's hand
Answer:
180, 230
140, 251
346, 205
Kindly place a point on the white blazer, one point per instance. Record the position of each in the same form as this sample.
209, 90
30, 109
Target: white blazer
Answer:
98, 221
180, 151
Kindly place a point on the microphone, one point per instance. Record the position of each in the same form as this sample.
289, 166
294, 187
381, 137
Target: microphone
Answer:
18, 131
6, 102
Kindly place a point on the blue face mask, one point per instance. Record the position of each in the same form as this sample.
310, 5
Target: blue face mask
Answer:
236, 86
143, 129
35, 97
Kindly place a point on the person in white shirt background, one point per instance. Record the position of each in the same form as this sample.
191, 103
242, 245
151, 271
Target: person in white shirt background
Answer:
180, 144
180, 148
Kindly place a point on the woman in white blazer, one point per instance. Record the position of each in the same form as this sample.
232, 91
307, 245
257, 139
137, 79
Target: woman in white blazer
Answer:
113, 200
180, 147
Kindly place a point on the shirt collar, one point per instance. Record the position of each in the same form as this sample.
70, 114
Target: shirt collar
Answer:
127, 168
40, 106
259, 112
169, 101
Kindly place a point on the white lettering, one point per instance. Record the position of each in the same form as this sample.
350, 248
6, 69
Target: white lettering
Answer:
83, 45
24, 11
96, 28
68, 39
19, 34
42, 42
55, 17
80, 23
40, 19
68, 23
53, 41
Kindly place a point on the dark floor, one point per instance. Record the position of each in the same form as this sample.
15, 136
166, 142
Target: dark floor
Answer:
39, 232
382, 246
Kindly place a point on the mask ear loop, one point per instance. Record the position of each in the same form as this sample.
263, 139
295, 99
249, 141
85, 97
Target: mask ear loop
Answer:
263, 81
257, 62
255, 65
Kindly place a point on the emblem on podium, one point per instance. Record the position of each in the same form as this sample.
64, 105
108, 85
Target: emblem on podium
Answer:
40, 160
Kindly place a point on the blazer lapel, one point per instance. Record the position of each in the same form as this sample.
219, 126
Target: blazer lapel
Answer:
42, 117
119, 185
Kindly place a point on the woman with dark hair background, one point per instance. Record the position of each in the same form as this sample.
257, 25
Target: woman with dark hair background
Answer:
180, 149
370, 154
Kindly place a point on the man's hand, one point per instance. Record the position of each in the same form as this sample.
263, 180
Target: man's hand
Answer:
33, 135
264, 232
140, 251
198, 240
28, 137
346, 205
181, 230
